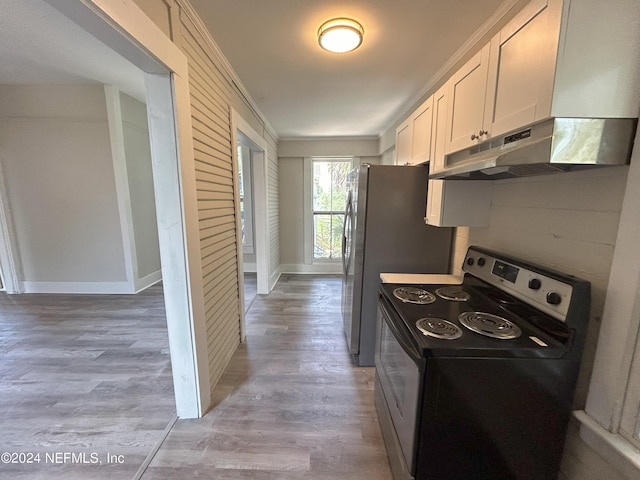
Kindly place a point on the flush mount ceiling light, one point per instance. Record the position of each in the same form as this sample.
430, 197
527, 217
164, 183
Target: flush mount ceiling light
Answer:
340, 35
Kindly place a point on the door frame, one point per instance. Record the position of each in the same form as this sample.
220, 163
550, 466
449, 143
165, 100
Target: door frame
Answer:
125, 28
259, 158
10, 266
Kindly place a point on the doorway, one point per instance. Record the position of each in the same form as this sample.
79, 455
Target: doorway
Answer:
248, 141
128, 32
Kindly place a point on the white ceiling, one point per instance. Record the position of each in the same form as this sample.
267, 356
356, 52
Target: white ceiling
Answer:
39, 45
306, 91
302, 90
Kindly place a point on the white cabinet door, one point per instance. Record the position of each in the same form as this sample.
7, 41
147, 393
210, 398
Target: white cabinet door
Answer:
455, 203
403, 143
422, 120
467, 103
439, 129
522, 60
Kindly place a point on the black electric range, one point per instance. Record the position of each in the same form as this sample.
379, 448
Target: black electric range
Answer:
476, 380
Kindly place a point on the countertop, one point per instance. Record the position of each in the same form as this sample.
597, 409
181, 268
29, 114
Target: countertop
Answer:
421, 278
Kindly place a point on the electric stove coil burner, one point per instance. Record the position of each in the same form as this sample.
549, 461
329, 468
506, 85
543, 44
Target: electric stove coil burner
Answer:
439, 328
453, 293
414, 295
489, 325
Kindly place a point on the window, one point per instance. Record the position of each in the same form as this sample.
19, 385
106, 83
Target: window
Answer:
329, 192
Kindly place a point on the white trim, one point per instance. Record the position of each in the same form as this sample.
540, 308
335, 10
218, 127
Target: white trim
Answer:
178, 233
148, 280
618, 332
236, 208
618, 340
102, 288
329, 268
226, 69
121, 178
250, 267
467, 47
307, 209
9, 255
247, 180
307, 202
616, 450
274, 277
259, 159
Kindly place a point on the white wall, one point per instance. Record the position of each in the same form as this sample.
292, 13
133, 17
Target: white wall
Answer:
293, 188
328, 147
291, 210
54, 145
60, 160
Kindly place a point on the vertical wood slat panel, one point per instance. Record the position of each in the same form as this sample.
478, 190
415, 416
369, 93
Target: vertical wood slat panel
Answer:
211, 97
273, 207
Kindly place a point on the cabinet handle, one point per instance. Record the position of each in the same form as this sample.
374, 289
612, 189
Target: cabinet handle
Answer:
480, 133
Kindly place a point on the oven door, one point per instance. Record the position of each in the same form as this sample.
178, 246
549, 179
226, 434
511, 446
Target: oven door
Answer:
399, 369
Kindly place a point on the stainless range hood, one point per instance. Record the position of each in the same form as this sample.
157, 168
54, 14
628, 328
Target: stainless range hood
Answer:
555, 145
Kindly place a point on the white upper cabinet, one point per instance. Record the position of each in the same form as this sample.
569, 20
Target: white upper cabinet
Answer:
422, 120
467, 110
571, 58
413, 136
597, 67
522, 64
455, 203
439, 128
404, 136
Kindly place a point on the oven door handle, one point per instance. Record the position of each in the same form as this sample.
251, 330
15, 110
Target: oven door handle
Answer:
403, 338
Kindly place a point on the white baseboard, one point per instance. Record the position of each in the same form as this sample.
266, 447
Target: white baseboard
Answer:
275, 276
148, 280
316, 268
78, 287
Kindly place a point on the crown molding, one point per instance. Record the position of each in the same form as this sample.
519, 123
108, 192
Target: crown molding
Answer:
466, 48
224, 65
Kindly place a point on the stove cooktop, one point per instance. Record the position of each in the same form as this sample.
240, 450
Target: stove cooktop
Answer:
536, 334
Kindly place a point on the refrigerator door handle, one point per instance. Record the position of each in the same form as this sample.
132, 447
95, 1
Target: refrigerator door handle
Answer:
347, 218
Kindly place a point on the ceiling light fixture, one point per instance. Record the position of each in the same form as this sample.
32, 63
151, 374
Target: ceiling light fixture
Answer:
340, 35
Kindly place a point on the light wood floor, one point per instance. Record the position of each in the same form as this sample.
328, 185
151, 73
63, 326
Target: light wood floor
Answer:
290, 405
250, 289
85, 377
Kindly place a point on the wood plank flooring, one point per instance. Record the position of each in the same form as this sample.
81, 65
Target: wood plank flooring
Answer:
91, 374
290, 405
250, 289
83, 375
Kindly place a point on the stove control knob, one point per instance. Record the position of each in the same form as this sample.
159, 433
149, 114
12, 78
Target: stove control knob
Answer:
481, 261
534, 283
470, 261
553, 298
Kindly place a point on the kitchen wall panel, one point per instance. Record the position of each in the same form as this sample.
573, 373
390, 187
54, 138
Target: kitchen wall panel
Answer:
569, 222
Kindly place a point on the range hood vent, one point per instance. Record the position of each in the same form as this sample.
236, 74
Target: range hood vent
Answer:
552, 146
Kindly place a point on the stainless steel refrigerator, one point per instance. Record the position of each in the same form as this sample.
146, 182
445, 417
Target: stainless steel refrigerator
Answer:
384, 231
